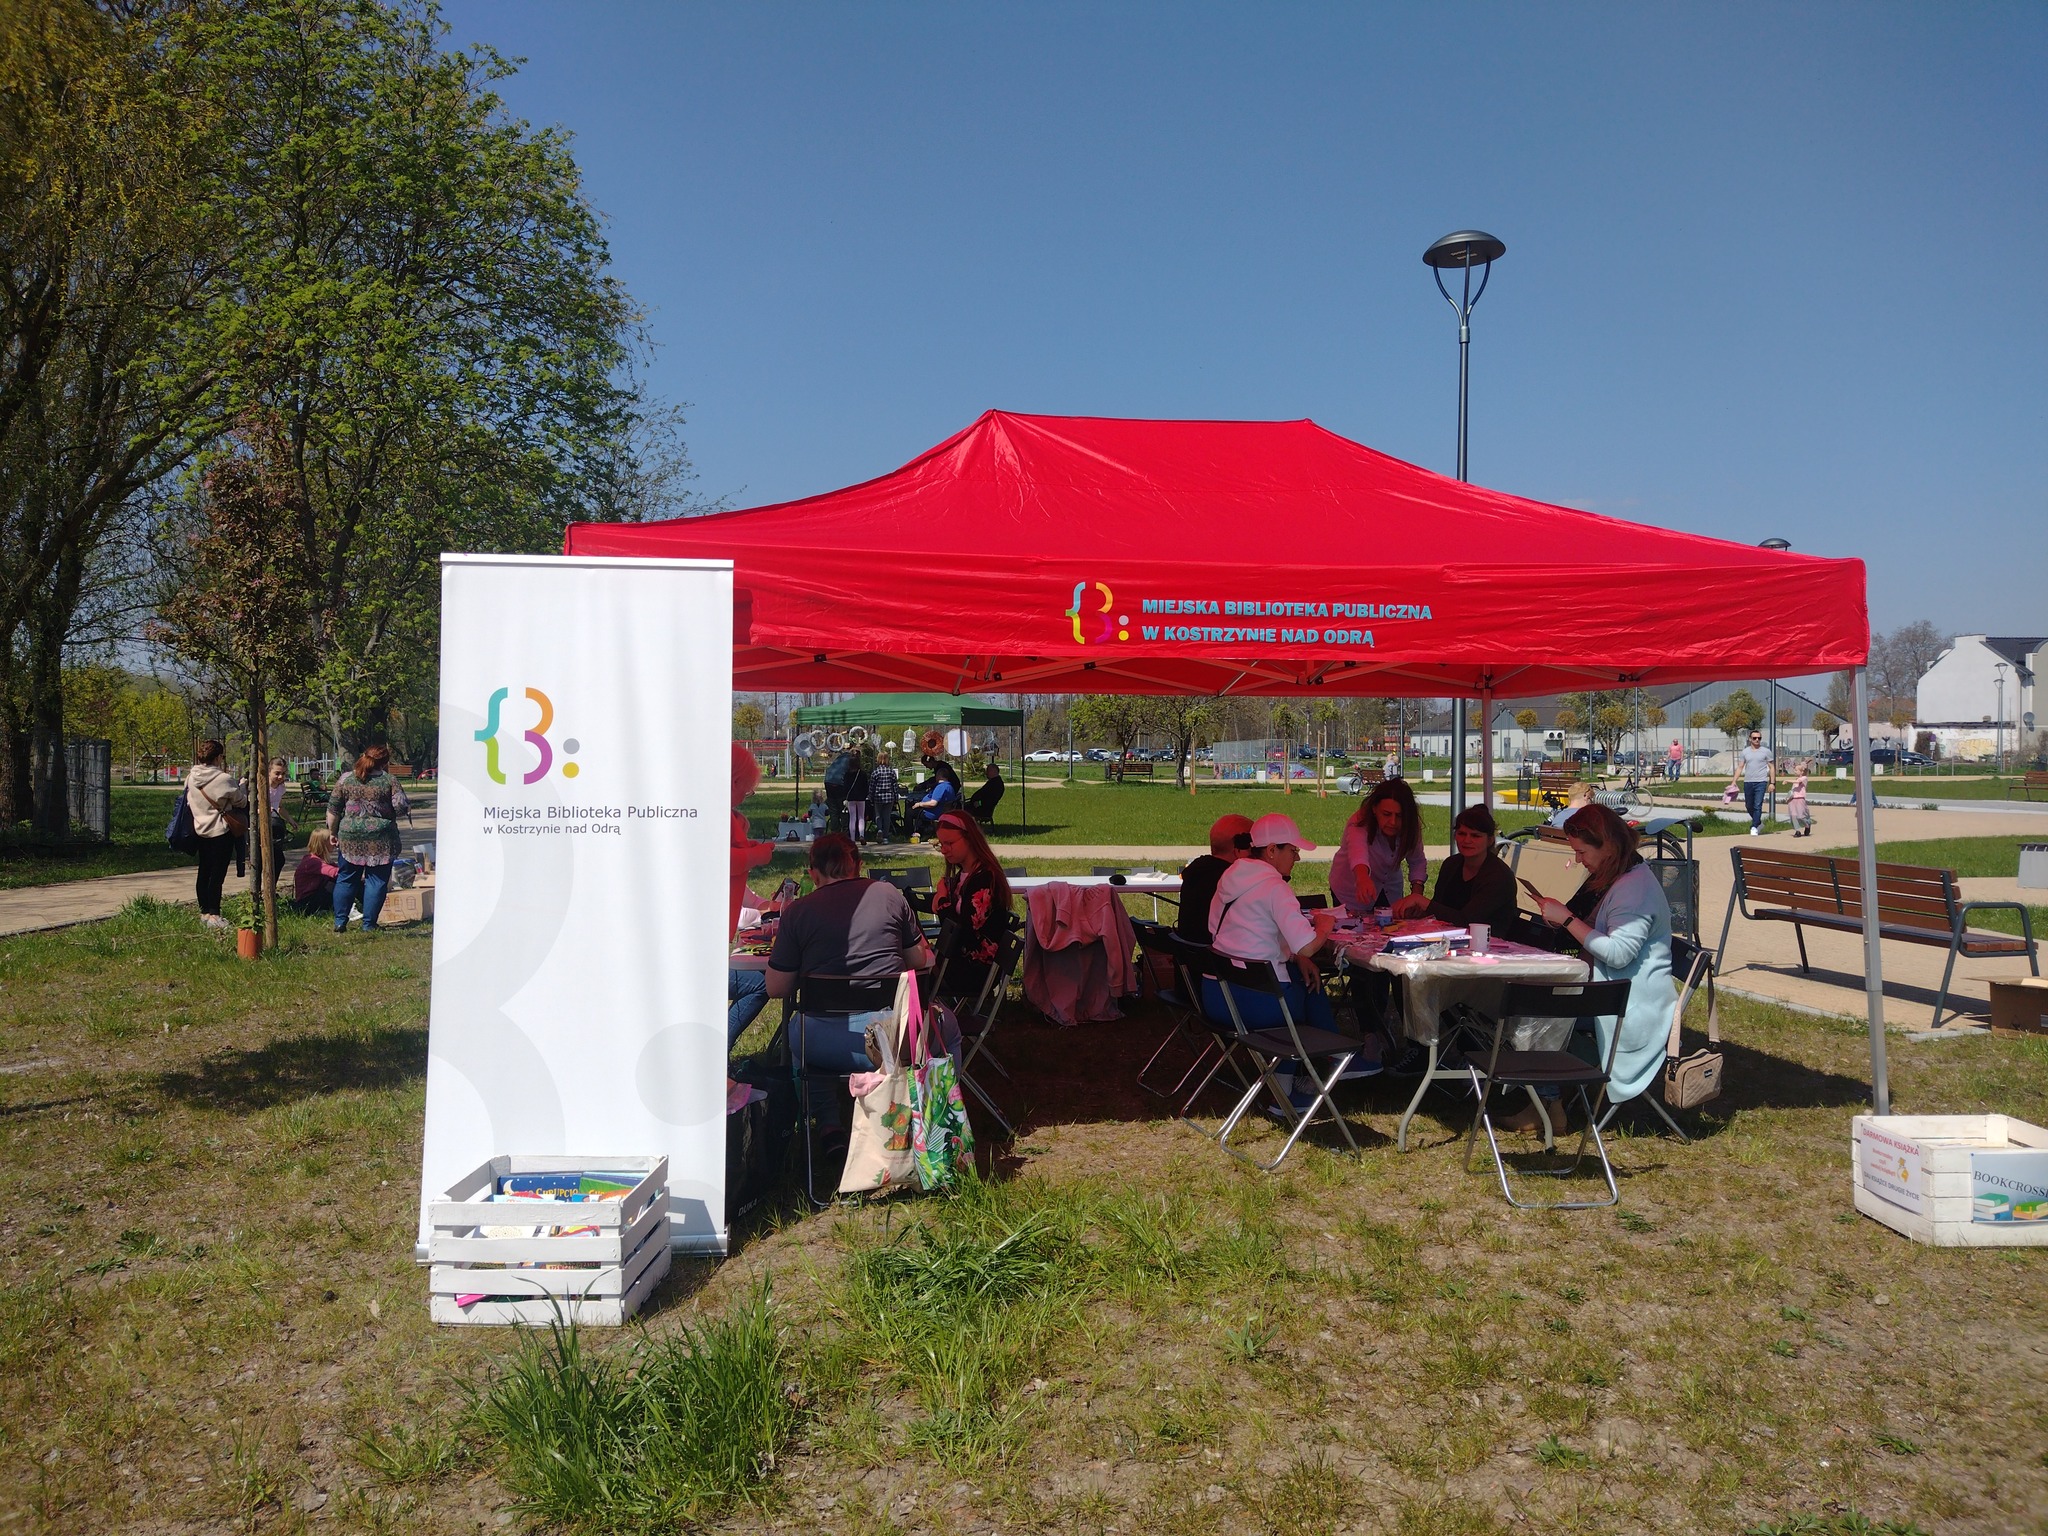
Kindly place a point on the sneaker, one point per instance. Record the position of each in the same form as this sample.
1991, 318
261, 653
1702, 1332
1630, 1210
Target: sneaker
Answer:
1300, 1098
213, 920
1756, 831
1410, 1062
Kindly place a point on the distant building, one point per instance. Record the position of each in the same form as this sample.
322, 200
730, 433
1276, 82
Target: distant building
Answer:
1958, 699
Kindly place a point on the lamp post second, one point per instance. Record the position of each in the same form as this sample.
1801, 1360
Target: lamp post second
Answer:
1461, 252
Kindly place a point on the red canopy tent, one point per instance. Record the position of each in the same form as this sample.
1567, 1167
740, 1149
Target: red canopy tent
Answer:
1079, 554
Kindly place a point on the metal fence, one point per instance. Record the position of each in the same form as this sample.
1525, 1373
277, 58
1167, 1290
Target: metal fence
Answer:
89, 781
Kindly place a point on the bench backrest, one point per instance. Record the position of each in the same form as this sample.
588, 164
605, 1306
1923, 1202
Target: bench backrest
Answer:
1558, 777
1908, 895
2037, 778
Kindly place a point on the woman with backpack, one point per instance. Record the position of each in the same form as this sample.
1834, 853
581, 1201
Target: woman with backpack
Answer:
219, 804
363, 815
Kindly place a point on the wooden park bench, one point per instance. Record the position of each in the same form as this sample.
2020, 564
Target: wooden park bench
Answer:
1135, 768
1914, 904
2035, 782
1554, 781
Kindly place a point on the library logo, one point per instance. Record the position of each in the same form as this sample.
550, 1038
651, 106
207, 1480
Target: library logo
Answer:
1083, 611
535, 736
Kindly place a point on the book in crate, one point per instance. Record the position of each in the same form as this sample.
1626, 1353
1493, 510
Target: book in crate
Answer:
535, 1239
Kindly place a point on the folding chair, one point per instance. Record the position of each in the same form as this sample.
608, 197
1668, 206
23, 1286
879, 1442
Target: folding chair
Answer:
978, 1022
1163, 944
1015, 871
1696, 961
1531, 1070
825, 998
1304, 1044
1313, 901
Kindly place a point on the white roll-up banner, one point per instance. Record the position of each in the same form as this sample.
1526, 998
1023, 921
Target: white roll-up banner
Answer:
581, 869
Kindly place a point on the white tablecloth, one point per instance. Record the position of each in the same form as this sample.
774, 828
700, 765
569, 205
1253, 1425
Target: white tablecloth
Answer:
1430, 986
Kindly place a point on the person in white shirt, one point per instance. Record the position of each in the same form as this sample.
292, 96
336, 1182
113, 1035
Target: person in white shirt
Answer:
1256, 916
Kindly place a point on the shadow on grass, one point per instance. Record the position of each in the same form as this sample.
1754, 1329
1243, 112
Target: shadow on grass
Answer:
302, 1067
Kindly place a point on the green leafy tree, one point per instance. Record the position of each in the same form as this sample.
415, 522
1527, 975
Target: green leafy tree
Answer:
1117, 718
236, 577
1737, 715
114, 263
1827, 725
423, 305
749, 722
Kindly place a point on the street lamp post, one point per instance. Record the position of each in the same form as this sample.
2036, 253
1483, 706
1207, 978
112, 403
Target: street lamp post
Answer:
1462, 251
2000, 727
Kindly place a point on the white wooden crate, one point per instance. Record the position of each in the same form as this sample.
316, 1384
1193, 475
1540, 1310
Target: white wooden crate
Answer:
626, 1256
1939, 1175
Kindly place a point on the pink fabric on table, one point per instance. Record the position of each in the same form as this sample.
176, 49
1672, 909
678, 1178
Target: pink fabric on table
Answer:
1077, 953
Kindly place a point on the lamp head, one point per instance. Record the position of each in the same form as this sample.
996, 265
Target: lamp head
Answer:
1773, 543
1466, 248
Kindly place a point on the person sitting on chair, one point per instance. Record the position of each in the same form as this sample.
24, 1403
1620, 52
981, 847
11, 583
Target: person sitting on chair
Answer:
936, 796
1230, 839
1475, 884
1256, 916
983, 802
1576, 799
972, 904
848, 926
1627, 938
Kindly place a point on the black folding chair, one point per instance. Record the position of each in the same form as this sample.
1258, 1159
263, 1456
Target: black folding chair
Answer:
828, 1000
1304, 1044
1532, 1070
1695, 962
978, 1022
1162, 948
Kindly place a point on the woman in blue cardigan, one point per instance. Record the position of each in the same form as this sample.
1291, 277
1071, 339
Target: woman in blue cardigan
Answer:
1628, 938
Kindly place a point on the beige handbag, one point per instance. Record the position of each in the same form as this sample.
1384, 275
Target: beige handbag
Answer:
879, 1154
1690, 1081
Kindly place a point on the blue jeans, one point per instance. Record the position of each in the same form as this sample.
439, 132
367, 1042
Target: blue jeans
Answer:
367, 881
1753, 792
1261, 1010
746, 994
882, 820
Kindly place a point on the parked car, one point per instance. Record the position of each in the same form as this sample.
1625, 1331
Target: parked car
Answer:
1534, 759
1897, 757
1096, 755
1585, 754
1045, 755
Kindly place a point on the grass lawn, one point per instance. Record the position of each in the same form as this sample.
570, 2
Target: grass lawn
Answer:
140, 814
1968, 856
1148, 815
210, 1318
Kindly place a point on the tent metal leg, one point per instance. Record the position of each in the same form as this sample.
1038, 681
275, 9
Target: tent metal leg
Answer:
1866, 868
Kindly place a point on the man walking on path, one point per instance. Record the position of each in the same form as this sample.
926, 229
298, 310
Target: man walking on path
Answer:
1759, 769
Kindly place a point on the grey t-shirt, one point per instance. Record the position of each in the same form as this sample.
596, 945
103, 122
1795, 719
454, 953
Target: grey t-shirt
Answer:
848, 928
1756, 764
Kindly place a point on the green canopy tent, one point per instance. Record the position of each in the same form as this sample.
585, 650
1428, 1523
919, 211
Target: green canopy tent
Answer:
890, 712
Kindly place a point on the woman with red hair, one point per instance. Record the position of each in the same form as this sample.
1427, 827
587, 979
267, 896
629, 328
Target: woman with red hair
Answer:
972, 904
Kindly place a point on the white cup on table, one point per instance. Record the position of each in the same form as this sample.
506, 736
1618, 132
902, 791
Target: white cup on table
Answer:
1481, 937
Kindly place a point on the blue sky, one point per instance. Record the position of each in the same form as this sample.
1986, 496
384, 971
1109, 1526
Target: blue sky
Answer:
1771, 269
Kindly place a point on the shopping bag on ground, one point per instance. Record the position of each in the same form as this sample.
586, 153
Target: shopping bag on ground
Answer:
878, 1148
941, 1140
